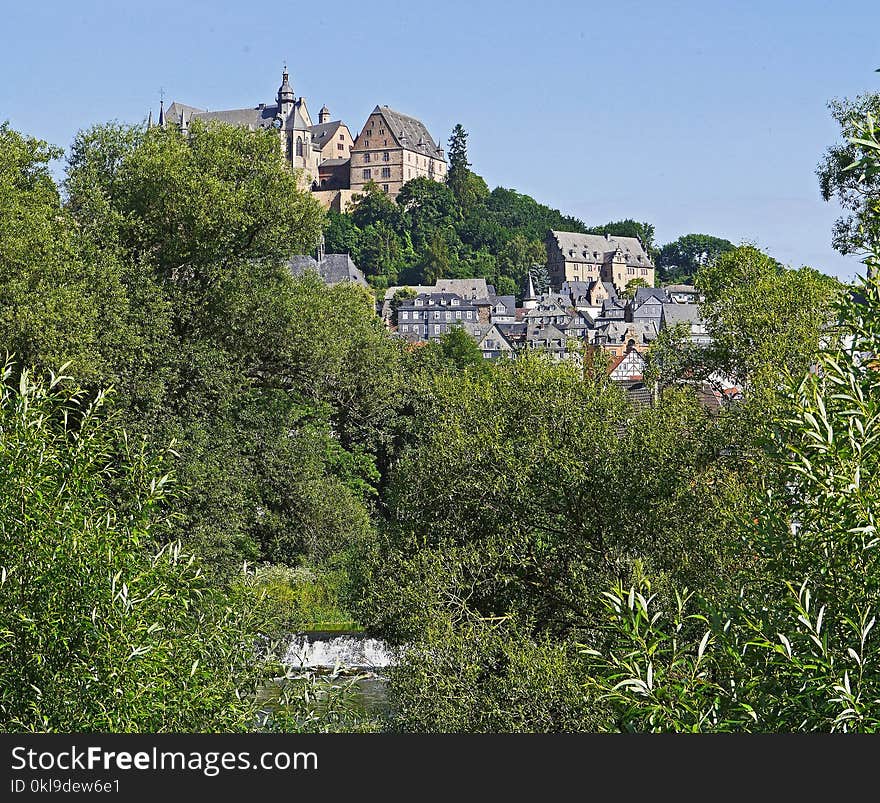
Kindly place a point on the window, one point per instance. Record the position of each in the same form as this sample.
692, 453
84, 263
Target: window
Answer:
381, 130
342, 136
467, 314
367, 174
386, 142
404, 328
418, 302
386, 156
386, 172
366, 157
340, 146
366, 143
454, 302
458, 315
436, 314
299, 146
384, 188
404, 315
436, 328
448, 316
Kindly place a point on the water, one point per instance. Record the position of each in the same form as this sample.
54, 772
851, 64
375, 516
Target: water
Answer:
345, 652
344, 659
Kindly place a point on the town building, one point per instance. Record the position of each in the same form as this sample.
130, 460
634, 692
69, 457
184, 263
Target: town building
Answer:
574, 257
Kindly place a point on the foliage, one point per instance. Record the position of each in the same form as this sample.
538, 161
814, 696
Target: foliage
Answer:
488, 678
681, 260
856, 190
797, 649
103, 629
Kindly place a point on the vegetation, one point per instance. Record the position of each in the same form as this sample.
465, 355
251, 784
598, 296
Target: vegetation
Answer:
244, 454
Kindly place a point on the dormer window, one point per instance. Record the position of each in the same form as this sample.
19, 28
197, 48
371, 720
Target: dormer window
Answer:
419, 302
454, 302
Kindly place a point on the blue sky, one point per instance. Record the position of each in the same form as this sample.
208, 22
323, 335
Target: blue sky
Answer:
696, 116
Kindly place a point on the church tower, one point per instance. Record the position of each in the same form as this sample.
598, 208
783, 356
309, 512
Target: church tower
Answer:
285, 97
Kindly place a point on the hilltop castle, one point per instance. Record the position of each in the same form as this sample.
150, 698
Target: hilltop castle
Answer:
391, 149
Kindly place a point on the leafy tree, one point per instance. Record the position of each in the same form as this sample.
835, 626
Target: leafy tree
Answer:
341, 236
680, 260
856, 190
764, 320
436, 260
629, 291
796, 649
102, 628
461, 349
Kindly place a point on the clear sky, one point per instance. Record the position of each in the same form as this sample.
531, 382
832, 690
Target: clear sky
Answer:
702, 117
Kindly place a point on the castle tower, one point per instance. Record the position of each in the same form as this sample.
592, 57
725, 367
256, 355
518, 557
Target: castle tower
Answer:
324, 115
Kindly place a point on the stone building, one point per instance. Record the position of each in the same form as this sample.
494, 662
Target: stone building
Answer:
573, 257
304, 144
391, 149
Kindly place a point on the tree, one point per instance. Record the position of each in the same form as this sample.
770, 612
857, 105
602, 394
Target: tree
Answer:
796, 648
765, 320
632, 286
680, 260
461, 349
856, 190
467, 187
102, 627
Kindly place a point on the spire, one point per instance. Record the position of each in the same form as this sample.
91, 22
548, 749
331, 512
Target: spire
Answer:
162, 113
531, 287
150, 120
285, 91
182, 123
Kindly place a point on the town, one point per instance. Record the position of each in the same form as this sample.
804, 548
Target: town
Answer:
600, 291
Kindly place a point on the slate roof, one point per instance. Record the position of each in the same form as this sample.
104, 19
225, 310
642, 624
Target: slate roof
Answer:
324, 132
409, 132
680, 288
596, 247
681, 313
333, 269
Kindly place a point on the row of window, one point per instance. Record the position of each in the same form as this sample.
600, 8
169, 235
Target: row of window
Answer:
385, 157
468, 315
438, 328
368, 173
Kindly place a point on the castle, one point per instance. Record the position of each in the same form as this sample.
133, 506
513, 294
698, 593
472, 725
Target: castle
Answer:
390, 149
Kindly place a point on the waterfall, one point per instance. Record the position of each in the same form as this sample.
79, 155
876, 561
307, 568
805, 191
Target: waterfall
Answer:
337, 650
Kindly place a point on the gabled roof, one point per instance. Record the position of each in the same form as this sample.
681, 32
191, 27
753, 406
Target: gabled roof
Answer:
650, 295
597, 247
324, 132
409, 132
333, 268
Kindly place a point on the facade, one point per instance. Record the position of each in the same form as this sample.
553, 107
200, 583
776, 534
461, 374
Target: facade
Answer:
689, 315
618, 337
573, 257
647, 305
628, 367
429, 316
683, 293
391, 149
494, 344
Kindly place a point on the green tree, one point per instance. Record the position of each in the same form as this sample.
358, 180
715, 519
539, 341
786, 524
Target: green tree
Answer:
102, 628
855, 189
467, 187
629, 292
680, 260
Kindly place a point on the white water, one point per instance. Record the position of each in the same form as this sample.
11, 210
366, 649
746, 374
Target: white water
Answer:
337, 652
